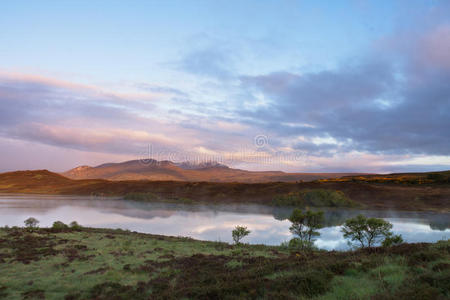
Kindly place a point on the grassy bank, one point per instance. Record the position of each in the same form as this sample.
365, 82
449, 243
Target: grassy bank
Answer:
114, 264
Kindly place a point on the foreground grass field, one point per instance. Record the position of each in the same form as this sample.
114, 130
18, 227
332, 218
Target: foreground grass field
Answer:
91, 263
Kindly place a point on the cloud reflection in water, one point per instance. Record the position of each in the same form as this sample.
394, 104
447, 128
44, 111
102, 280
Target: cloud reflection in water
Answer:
205, 222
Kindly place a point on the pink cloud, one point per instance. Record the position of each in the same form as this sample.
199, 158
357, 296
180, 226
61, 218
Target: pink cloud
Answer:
435, 47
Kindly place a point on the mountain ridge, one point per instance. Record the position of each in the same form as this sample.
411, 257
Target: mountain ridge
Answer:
188, 171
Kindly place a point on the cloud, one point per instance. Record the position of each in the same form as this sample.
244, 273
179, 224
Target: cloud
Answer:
378, 104
85, 118
372, 113
161, 89
32, 98
207, 61
435, 47
99, 139
81, 117
313, 149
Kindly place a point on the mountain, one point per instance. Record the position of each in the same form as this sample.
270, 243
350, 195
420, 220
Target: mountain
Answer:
187, 165
187, 171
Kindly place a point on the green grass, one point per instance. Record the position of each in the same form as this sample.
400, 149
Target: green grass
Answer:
351, 286
391, 274
360, 283
92, 263
234, 264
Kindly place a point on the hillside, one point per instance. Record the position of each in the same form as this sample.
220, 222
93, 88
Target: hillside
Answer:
88, 263
167, 170
371, 195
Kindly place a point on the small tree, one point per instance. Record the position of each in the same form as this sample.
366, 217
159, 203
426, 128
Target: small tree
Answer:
239, 233
31, 223
305, 226
367, 231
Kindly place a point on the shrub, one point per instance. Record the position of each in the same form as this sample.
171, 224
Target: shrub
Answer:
296, 244
424, 256
339, 267
239, 233
31, 223
391, 240
368, 231
439, 177
314, 198
309, 284
150, 197
141, 197
322, 197
75, 225
59, 225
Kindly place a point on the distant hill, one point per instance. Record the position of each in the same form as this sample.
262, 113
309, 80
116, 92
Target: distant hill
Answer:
38, 181
396, 195
441, 177
187, 171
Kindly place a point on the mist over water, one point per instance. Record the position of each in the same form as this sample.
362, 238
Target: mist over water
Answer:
269, 225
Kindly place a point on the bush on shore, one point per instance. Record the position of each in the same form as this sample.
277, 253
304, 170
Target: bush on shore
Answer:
58, 225
314, 198
239, 233
368, 232
305, 227
31, 223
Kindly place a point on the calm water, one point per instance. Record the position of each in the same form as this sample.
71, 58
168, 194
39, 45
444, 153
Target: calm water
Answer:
206, 222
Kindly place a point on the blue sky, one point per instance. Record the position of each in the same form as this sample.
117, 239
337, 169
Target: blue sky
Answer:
324, 83
107, 38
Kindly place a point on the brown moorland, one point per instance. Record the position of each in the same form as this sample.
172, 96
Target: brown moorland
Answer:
433, 196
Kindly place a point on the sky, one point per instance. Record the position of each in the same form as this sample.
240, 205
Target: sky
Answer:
298, 86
